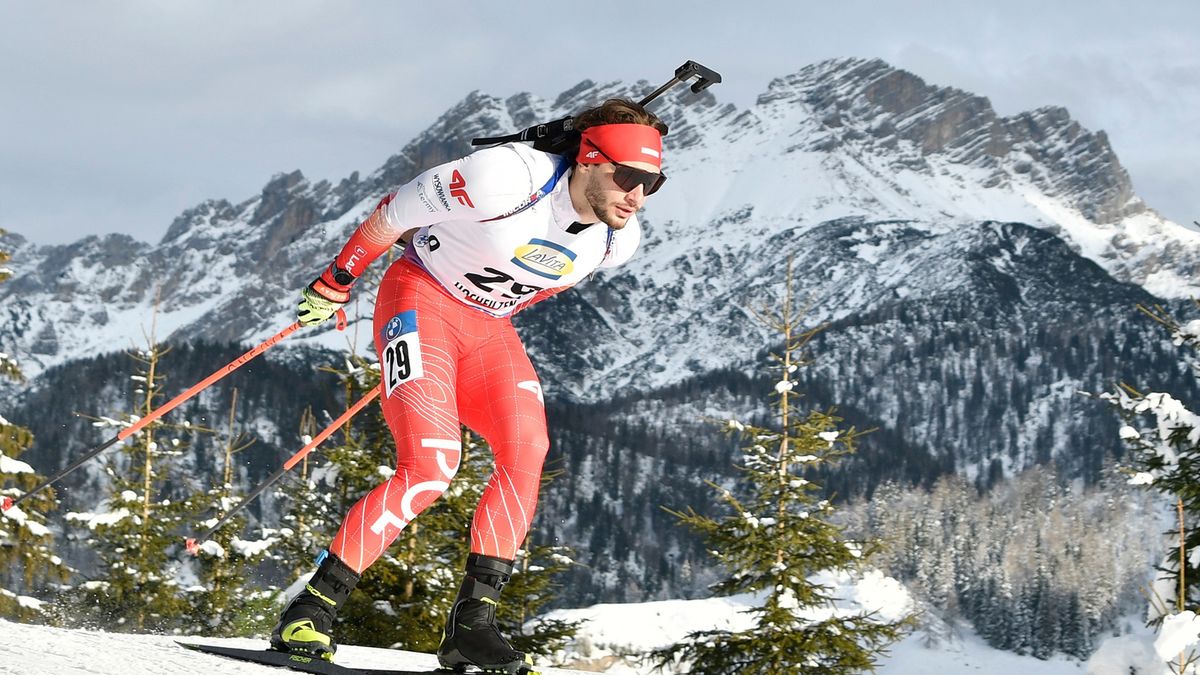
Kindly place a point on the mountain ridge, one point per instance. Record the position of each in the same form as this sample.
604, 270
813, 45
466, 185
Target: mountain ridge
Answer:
841, 143
293, 224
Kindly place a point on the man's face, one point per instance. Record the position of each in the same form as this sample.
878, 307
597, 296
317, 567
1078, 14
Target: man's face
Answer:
612, 205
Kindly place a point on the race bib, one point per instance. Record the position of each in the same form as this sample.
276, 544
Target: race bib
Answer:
401, 351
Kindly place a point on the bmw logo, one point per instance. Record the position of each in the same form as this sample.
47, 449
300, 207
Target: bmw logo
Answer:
393, 328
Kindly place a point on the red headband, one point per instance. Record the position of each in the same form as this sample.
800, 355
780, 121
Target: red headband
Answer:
621, 142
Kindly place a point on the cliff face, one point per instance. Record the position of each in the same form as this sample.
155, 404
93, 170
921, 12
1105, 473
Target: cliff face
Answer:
874, 107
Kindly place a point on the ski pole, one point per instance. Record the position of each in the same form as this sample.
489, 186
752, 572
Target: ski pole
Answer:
193, 543
8, 502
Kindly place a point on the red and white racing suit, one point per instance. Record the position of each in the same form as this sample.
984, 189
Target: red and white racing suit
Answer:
489, 244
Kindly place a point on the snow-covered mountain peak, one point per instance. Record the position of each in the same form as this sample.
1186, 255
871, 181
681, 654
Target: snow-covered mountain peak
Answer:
868, 106
841, 141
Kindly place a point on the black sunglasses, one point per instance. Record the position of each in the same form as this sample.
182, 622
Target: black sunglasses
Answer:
627, 178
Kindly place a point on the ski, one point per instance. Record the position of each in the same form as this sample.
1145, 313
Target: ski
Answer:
298, 662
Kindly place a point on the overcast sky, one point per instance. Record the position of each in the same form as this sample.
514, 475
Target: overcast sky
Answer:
116, 116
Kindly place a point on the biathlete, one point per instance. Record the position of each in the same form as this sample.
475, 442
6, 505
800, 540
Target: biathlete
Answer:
489, 234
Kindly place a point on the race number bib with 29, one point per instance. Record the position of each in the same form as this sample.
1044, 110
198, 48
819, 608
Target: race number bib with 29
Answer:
401, 351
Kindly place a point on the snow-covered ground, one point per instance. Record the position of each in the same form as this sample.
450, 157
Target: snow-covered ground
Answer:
615, 630
38, 650
612, 633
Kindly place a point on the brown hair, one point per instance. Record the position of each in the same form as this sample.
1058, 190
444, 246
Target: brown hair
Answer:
618, 111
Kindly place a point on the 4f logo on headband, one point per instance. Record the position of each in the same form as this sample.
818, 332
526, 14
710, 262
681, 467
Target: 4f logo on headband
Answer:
458, 189
619, 143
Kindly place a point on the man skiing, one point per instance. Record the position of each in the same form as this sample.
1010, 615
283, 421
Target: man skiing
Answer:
495, 232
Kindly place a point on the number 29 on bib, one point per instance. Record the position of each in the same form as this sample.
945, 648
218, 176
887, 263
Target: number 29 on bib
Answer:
401, 351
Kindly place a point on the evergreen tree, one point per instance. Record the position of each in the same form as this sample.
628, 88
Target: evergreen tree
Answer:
1032, 565
28, 565
775, 541
1164, 434
223, 602
533, 587
138, 538
309, 519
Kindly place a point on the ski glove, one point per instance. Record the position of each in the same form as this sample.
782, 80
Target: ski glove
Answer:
324, 296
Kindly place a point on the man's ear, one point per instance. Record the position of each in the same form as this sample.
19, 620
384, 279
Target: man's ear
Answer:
578, 171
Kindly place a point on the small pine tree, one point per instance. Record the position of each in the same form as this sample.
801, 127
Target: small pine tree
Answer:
309, 520
28, 565
1164, 436
531, 589
223, 603
137, 541
776, 540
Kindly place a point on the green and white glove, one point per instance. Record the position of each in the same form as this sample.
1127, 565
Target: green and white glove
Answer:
324, 296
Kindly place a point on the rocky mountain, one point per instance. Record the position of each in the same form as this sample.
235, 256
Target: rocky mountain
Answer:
837, 140
975, 272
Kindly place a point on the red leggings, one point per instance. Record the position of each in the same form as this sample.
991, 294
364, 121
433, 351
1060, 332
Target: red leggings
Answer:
475, 370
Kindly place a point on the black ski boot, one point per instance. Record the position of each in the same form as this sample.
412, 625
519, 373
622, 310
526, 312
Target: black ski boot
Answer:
471, 637
306, 625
